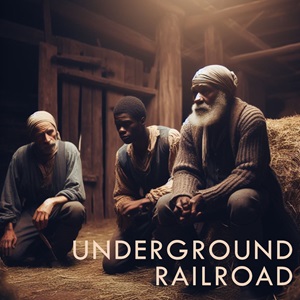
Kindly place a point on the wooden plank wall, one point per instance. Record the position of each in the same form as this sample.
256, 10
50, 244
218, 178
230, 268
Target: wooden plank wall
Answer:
92, 143
128, 70
47, 90
70, 102
169, 66
87, 119
116, 63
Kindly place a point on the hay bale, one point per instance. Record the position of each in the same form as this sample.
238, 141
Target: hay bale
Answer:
284, 139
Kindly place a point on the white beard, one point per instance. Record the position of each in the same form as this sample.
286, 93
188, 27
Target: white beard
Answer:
204, 115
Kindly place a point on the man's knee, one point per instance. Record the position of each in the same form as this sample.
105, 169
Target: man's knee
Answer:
163, 214
245, 207
73, 212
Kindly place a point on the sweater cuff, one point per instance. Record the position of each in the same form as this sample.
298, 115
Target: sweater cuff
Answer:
185, 185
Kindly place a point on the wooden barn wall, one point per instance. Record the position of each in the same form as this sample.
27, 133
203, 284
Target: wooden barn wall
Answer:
84, 108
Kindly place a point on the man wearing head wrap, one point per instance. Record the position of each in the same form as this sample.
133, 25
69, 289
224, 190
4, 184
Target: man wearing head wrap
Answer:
222, 172
41, 210
142, 171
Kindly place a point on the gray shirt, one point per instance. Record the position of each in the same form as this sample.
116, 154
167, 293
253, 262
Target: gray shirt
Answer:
23, 184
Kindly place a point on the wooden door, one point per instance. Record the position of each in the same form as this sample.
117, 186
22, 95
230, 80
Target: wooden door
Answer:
91, 80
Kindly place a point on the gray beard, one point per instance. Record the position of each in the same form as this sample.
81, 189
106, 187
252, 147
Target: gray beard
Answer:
206, 115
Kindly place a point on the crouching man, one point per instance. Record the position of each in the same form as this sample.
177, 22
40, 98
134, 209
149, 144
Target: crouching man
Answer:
41, 207
222, 172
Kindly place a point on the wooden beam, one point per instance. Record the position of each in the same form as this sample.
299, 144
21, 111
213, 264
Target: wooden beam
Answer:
103, 26
47, 21
71, 59
169, 70
90, 79
197, 21
20, 33
29, 35
291, 26
47, 84
265, 53
235, 28
213, 47
242, 33
169, 7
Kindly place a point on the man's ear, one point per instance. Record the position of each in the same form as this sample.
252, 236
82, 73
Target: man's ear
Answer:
143, 120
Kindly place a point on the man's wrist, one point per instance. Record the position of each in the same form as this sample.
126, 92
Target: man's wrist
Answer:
9, 226
50, 201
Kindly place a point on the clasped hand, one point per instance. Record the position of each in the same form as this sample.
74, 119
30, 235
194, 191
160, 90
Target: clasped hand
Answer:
188, 209
132, 207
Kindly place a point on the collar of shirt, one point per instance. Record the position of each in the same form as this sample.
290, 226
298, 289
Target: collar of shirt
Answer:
144, 164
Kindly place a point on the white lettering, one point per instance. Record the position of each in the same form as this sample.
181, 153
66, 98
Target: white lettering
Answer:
117, 256
219, 242
86, 250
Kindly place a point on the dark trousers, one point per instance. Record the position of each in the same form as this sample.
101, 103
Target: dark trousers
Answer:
141, 229
244, 210
63, 227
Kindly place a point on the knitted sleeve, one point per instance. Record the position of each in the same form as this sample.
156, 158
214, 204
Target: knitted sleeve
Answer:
188, 173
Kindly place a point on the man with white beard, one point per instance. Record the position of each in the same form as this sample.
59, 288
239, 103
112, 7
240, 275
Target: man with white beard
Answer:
222, 172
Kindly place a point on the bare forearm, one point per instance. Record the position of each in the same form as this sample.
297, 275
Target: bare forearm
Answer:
56, 200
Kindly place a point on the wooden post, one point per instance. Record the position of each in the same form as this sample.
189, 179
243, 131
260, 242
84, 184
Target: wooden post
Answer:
92, 143
47, 92
70, 101
116, 63
47, 21
213, 47
169, 69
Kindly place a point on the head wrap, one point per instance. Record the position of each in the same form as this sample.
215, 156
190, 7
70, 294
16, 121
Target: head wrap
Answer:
37, 118
218, 76
132, 106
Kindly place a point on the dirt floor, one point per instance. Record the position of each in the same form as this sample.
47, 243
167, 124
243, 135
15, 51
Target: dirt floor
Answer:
85, 279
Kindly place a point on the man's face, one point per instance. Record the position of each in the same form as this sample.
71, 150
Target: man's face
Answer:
45, 136
128, 128
209, 105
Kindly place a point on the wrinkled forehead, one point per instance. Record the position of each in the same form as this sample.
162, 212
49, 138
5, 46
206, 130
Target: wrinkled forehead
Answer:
44, 125
41, 127
198, 87
218, 76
